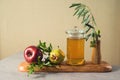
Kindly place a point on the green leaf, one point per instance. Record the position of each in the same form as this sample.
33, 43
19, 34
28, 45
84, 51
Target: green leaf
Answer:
87, 37
78, 7
87, 30
93, 20
40, 66
50, 48
89, 26
98, 33
31, 68
80, 12
85, 12
48, 64
39, 61
92, 45
86, 20
75, 12
93, 34
75, 4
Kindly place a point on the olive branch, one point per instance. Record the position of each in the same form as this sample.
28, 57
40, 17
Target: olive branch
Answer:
84, 12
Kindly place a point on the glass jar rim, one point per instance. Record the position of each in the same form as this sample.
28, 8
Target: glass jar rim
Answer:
75, 31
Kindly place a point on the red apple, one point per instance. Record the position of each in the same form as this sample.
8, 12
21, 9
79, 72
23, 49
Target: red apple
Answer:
31, 54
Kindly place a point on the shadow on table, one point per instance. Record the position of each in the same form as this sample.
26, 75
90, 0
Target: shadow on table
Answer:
115, 68
43, 74
39, 75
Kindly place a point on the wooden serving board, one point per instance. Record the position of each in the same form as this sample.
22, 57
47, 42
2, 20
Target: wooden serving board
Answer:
88, 67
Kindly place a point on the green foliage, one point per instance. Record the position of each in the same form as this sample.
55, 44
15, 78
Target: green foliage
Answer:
44, 48
83, 11
31, 68
41, 63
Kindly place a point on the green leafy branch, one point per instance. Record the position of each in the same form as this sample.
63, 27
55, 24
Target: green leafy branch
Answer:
40, 64
42, 46
83, 11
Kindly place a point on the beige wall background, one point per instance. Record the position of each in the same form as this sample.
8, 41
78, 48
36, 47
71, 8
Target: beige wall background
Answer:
25, 22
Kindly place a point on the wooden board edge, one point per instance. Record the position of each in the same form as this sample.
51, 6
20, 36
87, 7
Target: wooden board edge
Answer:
88, 67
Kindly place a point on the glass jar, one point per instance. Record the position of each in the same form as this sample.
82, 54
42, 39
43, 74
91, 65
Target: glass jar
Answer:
75, 46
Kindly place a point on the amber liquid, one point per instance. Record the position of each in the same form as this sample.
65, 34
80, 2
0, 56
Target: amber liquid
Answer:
75, 51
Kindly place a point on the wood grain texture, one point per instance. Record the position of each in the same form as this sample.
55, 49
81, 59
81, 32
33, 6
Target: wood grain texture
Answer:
88, 67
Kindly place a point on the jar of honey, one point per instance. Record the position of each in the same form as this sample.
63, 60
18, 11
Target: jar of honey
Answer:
75, 46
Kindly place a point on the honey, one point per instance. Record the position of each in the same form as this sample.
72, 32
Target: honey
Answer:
75, 46
75, 51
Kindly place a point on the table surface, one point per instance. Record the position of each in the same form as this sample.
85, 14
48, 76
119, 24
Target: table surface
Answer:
9, 71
